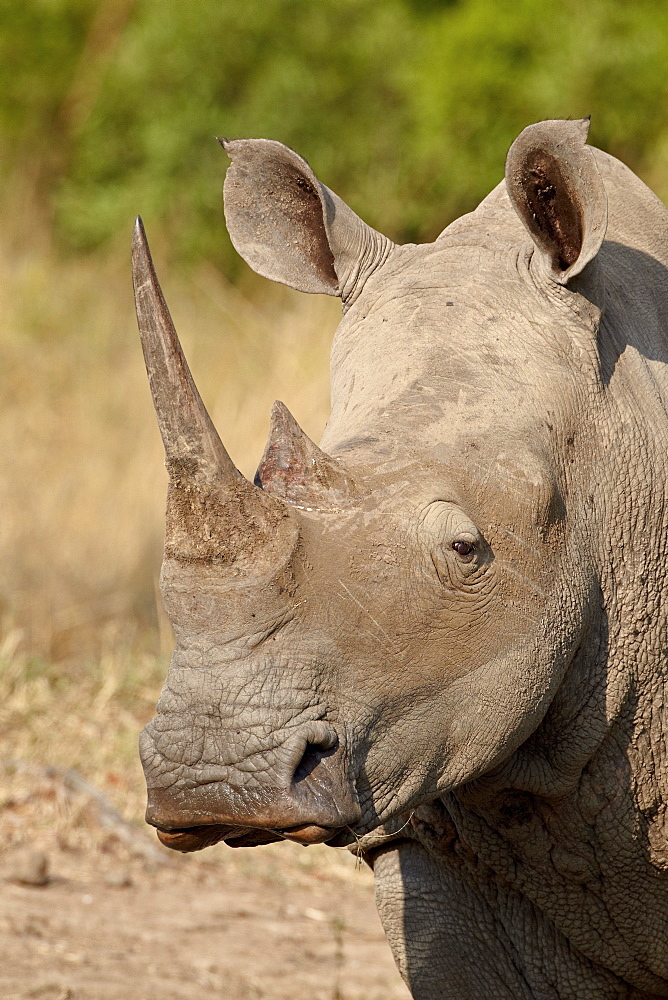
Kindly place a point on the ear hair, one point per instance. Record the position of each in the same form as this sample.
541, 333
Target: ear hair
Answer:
555, 187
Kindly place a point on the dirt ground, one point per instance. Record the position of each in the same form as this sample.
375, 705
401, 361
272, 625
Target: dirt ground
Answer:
120, 918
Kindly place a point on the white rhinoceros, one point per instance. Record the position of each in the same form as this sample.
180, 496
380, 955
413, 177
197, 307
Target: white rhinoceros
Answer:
441, 638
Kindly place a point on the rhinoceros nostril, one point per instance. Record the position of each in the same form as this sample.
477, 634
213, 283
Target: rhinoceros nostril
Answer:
319, 741
310, 759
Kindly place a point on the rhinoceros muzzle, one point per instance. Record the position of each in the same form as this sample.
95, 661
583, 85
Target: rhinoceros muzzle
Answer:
263, 825
268, 825
306, 796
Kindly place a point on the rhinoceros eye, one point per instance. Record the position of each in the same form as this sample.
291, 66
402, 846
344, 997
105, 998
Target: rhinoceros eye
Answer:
463, 548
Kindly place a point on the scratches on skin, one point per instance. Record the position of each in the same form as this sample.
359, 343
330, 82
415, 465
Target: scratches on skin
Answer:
366, 611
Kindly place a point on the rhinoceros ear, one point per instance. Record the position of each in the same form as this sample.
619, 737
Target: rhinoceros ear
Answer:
291, 228
554, 184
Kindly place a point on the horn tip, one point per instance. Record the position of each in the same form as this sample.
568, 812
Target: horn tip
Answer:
282, 422
278, 409
139, 240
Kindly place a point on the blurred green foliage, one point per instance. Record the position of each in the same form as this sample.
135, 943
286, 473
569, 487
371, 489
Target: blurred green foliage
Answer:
405, 107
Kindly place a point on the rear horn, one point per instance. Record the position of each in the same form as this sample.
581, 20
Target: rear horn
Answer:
296, 470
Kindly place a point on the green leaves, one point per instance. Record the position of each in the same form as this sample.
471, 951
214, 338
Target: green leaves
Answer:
405, 109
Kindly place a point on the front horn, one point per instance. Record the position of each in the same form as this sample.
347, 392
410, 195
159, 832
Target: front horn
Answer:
213, 513
192, 445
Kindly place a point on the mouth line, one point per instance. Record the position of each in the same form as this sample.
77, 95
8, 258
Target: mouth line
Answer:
201, 835
188, 839
195, 838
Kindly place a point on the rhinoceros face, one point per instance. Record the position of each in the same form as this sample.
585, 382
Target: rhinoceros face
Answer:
360, 630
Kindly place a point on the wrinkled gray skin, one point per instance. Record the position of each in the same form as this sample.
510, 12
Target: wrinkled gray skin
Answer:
443, 636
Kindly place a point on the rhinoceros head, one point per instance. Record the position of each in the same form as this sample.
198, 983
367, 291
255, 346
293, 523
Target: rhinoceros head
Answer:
376, 622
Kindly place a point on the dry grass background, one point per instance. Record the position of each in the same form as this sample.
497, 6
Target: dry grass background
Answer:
84, 646
83, 640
